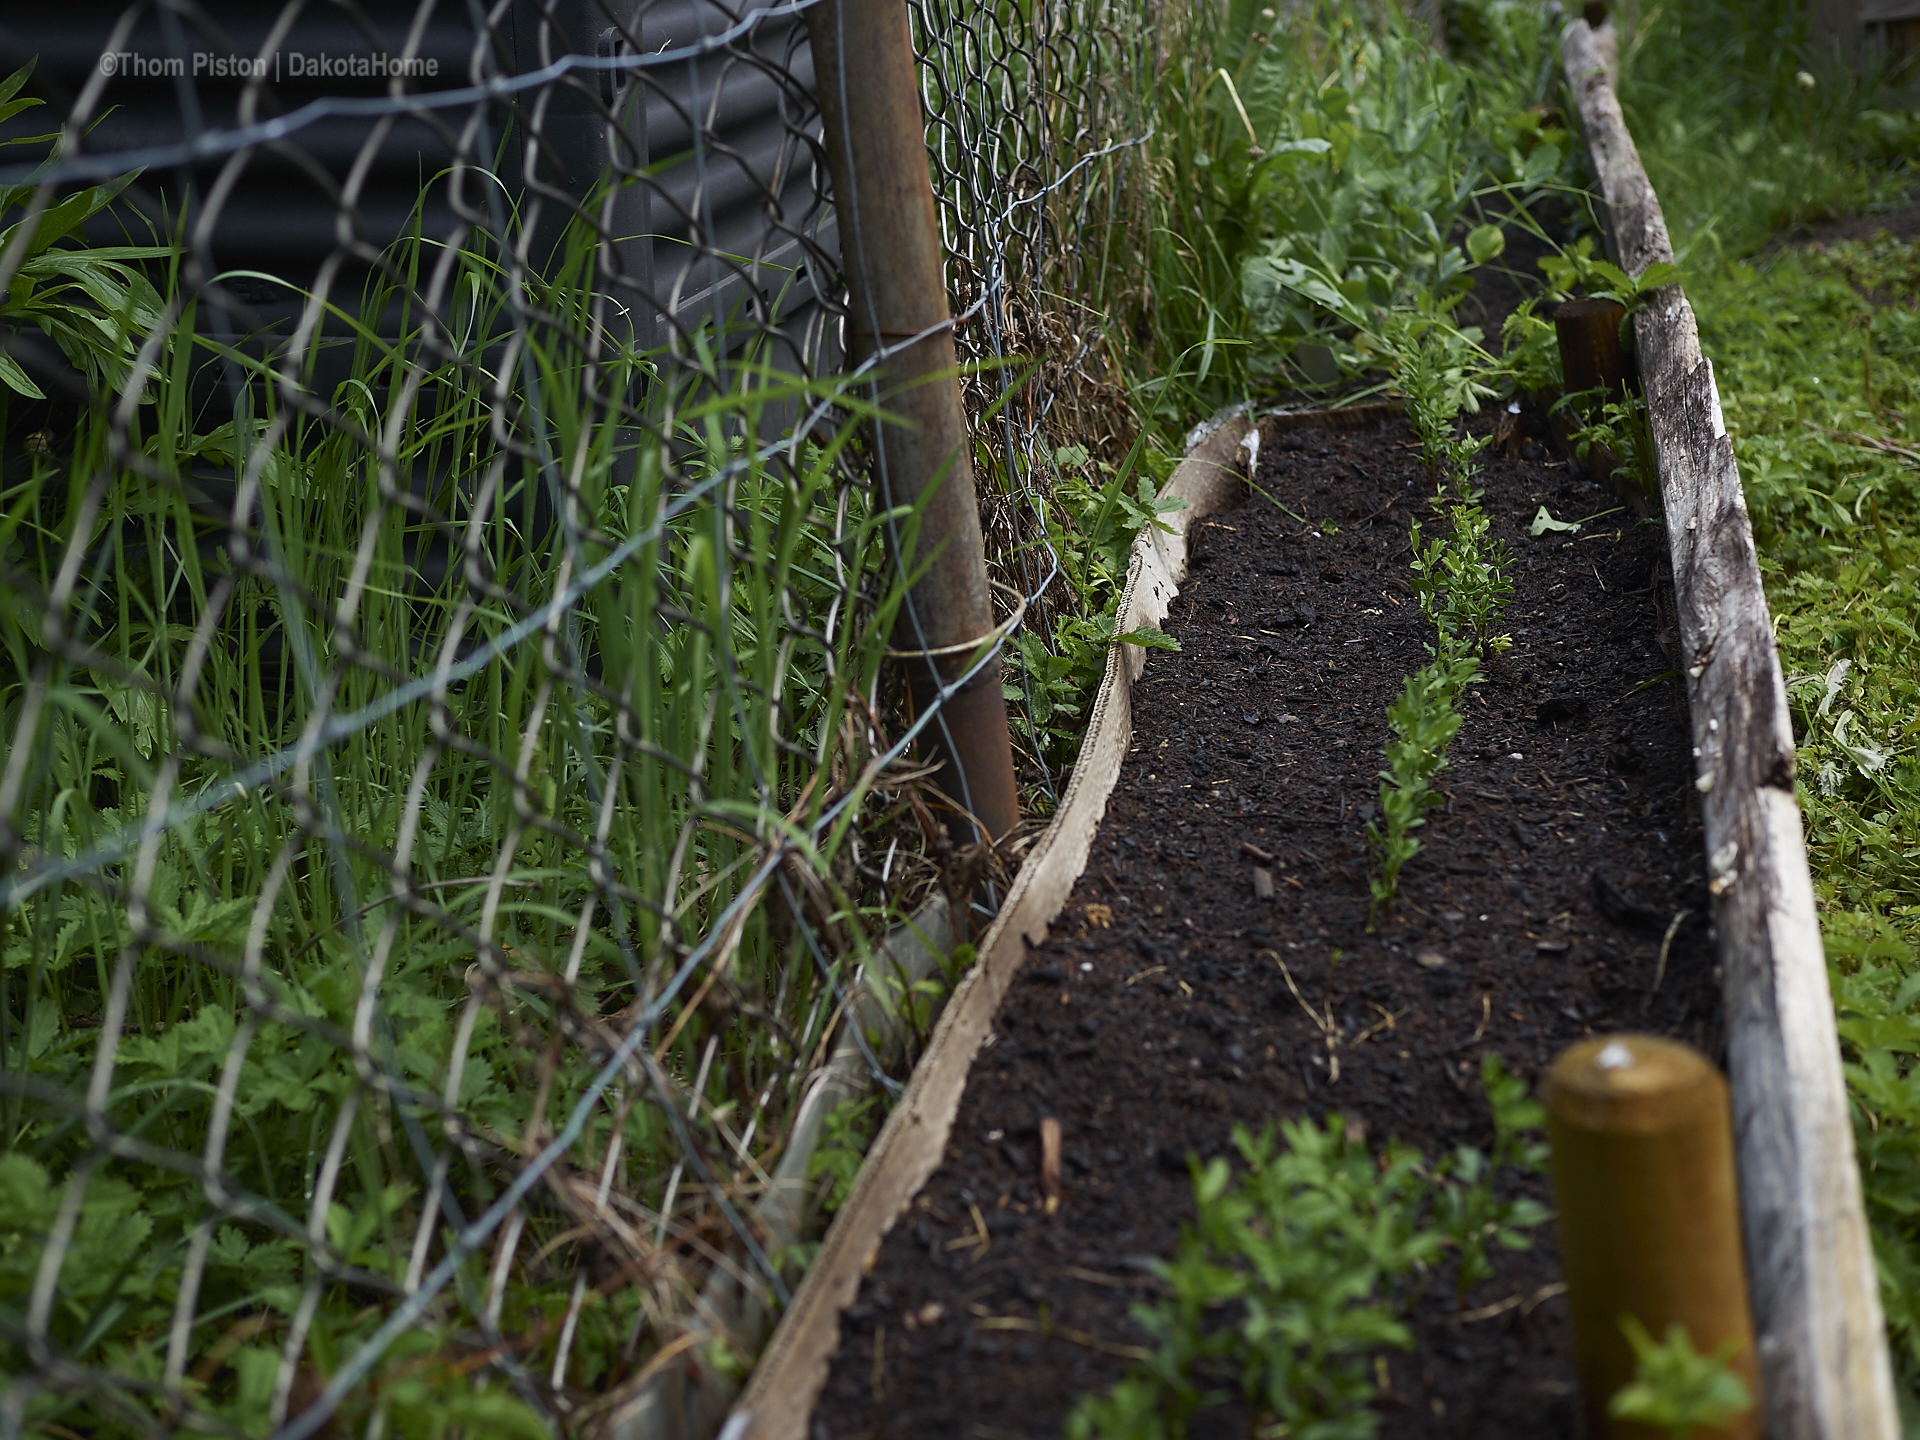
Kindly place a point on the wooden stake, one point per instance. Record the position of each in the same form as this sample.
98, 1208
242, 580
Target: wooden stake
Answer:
1589, 336
1649, 1217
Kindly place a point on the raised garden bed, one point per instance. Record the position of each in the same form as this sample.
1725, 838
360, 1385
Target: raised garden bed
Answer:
1175, 991
1160, 1015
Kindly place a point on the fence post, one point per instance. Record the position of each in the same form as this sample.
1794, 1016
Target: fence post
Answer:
1649, 1212
890, 250
1834, 28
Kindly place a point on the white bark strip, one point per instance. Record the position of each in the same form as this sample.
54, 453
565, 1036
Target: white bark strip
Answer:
1817, 1319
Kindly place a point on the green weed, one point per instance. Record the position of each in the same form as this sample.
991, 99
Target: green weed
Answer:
1677, 1388
1092, 517
1295, 1272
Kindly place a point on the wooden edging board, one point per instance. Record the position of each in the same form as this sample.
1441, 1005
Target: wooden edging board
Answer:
1819, 1331
779, 1398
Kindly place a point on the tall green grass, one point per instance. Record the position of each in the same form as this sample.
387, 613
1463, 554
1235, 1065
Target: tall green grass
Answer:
382, 765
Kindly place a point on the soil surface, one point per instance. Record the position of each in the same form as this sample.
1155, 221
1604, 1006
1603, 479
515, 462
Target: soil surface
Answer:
1901, 224
1160, 1014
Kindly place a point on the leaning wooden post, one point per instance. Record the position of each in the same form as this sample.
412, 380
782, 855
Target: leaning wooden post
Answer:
1649, 1212
890, 250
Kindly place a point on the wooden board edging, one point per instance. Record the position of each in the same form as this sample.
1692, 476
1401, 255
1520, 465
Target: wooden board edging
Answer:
779, 1398
1818, 1325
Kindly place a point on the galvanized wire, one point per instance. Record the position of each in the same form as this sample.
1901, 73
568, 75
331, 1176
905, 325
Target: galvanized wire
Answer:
451, 768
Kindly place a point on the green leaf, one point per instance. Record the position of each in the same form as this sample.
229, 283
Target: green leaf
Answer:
1674, 1386
1148, 637
17, 379
1484, 242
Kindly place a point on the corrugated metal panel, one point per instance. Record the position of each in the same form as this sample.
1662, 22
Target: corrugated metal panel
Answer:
729, 222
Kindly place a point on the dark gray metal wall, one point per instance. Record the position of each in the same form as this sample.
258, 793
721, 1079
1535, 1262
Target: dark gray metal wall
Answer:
729, 230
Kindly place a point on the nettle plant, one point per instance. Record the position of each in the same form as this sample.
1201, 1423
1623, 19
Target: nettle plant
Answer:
1293, 1277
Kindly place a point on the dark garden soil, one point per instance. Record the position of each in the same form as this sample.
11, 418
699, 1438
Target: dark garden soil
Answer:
1159, 1016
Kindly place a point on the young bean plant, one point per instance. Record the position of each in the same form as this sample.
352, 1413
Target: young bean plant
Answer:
1461, 582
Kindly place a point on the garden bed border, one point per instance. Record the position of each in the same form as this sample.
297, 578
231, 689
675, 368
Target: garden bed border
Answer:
779, 1398
1820, 1333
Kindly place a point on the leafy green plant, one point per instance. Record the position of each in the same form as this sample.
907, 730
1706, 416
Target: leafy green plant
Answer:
1424, 719
1463, 583
1443, 371
1573, 270
1675, 1387
847, 1131
1469, 1212
1618, 425
1308, 1246
1530, 352
1295, 1271
1094, 515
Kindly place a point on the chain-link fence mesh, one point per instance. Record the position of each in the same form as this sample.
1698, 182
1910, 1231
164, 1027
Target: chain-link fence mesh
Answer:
452, 771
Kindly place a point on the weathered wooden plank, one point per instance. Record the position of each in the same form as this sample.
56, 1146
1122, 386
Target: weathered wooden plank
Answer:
1817, 1318
779, 1397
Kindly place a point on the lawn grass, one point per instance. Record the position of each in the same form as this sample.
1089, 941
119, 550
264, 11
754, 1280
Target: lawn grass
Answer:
1816, 349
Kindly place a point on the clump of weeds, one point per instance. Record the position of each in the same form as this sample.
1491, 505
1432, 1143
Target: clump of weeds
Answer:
1295, 1272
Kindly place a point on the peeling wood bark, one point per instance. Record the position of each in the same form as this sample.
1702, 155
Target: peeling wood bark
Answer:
1820, 1332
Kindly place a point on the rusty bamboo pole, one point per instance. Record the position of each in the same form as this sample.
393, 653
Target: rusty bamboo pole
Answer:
890, 250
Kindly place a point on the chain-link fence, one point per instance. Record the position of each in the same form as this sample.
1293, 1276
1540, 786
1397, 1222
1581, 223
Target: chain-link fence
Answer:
454, 776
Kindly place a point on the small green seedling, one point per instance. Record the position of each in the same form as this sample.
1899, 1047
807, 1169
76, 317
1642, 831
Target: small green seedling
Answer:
1297, 1271
1425, 719
849, 1128
1467, 1211
1677, 1388
1463, 582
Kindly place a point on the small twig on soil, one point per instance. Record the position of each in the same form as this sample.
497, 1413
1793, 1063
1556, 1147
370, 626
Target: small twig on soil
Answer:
1486, 1014
1512, 1302
1323, 1023
1061, 1332
1660, 970
980, 1240
1114, 1282
879, 1361
1049, 1169
1385, 1022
